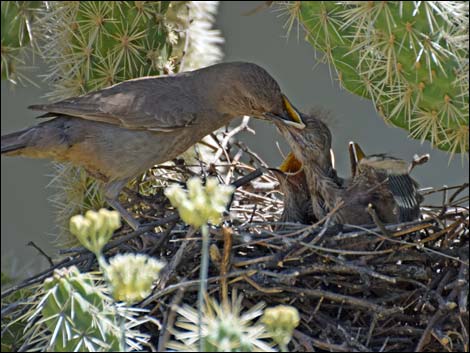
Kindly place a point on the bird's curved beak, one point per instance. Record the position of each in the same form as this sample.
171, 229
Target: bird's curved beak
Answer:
281, 176
355, 156
293, 115
356, 153
290, 116
277, 172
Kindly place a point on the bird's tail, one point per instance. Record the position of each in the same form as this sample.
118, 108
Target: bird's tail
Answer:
44, 140
33, 142
13, 143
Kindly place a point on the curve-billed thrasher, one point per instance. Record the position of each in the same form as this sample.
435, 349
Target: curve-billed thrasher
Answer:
392, 172
395, 200
118, 132
294, 187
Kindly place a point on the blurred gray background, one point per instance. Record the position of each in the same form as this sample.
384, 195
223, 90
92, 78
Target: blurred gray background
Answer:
26, 215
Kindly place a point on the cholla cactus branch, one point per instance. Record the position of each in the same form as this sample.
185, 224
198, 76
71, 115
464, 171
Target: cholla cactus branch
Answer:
77, 310
410, 58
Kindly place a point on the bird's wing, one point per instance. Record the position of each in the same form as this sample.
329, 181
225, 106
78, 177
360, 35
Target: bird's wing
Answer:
160, 103
405, 192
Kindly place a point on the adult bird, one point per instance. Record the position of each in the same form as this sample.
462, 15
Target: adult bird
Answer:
370, 185
118, 132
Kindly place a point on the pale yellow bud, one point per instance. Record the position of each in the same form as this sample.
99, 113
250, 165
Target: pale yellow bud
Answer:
79, 226
280, 322
95, 229
211, 185
112, 219
194, 188
132, 275
175, 194
200, 204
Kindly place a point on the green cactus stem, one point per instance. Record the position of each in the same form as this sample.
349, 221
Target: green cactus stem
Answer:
409, 58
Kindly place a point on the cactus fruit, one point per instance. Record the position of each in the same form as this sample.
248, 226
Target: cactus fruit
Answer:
409, 57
